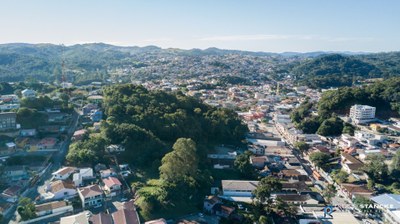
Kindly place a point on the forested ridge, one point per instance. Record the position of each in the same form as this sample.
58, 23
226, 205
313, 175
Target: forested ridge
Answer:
335, 70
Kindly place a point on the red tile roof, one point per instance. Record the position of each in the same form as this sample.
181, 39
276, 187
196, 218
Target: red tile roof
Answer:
111, 181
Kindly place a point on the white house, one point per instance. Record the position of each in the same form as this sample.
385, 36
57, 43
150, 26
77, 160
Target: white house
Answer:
59, 190
63, 173
54, 207
28, 93
115, 148
91, 196
108, 173
86, 173
77, 179
238, 190
112, 184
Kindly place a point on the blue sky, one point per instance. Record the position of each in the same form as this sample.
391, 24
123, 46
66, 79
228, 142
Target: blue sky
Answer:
256, 25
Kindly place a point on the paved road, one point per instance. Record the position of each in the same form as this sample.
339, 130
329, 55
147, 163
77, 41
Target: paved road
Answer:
58, 159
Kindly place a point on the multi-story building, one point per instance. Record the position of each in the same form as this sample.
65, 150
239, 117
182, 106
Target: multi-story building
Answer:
8, 121
91, 196
362, 113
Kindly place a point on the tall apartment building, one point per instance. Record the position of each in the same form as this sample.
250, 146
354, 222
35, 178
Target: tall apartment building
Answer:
8, 121
362, 113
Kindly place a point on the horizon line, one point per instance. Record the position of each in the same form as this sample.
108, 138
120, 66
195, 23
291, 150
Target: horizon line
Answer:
117, 44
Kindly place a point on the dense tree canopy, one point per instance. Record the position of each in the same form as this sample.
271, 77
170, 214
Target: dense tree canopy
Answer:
171, 116
30, 118
265, 187
242, 164
182, 162
330, 127
385, 95
87, 152
320, 159
376, 167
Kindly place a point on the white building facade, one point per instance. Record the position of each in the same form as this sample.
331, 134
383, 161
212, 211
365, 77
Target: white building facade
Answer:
362, 113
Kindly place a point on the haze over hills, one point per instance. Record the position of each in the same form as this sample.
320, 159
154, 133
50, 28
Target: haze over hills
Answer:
98, 61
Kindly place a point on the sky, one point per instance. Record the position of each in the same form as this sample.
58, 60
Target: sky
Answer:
254, 25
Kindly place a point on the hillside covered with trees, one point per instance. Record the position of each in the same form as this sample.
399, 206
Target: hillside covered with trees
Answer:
384, 95
166, 134
335, 70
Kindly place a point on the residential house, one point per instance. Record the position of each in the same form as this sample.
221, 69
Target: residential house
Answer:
57, 117
86, 173
91, 196
238, 190
299, 199
108, 173
294, 188
258, 161
294, 175
127, 214
223, 210
115, 148
15, 173
389, 204
77, 179
28, 93
79, 134
101, 218
47, 144
80, 218
88, 108
54, 207
350, 164
12, 193
64, 173
352, 190
9, 102
210, 202
59, 189
112, 185
292, 163
95, 99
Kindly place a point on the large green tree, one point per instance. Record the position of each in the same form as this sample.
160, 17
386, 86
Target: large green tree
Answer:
242, 164
182, 162
376, 168
331, 126
265, 187
26, 209
320, 159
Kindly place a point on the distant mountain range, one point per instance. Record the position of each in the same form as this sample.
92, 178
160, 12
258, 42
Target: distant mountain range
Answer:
93, 61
